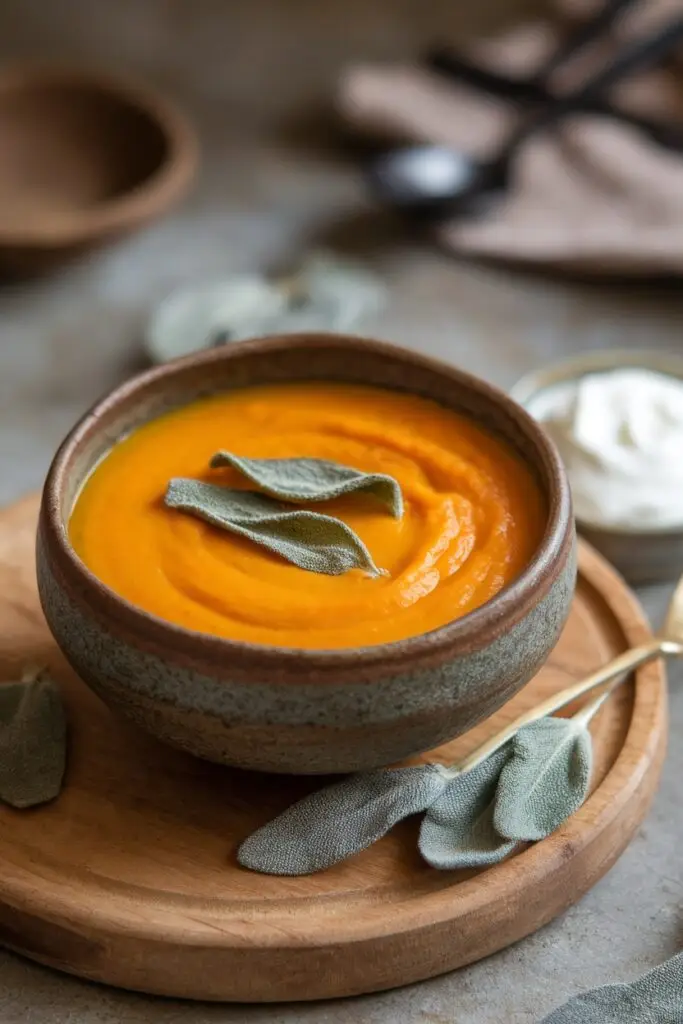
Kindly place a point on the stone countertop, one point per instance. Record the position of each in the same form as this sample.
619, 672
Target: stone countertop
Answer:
273, 184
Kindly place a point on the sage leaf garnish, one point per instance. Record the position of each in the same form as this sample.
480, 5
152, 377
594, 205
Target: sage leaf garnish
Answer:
546, 778
310, 540
334, 823
32, 741
457, 830
656, 997
303, 480
474, 815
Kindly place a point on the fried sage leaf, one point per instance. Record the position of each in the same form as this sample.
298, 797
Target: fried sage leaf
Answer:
546, 779
304, 480
458, 831
334, 823
656, 997
32, 742
312, 541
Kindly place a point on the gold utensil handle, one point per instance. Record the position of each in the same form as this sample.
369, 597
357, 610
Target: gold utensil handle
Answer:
619, 666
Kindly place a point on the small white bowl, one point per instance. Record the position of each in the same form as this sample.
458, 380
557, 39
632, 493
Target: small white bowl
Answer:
642, 556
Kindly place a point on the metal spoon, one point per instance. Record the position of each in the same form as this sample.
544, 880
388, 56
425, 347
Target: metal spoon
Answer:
668, 643
435, 181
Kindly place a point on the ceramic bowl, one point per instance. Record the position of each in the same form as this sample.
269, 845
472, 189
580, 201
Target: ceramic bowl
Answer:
641, 556
302, 711
85, 156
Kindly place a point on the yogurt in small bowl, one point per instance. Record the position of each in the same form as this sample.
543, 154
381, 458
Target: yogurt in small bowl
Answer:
616, 418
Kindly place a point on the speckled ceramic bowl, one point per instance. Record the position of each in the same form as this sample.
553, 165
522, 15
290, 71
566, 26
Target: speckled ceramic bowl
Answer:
641, 556
302, 711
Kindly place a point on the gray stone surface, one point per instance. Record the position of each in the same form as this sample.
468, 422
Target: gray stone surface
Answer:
246, 71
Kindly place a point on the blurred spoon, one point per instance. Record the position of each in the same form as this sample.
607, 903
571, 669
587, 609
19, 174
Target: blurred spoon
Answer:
531, 88
663, 133
433, 180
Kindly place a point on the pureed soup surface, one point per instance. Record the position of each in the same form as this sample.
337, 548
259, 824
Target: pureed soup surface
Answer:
473, 517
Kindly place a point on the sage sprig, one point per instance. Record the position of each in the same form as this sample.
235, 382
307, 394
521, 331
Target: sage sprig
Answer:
656, 997
334, 823
310, 540
520, 793
322, 294
457, 830
32, 741
473, 817
546, 778
302, 480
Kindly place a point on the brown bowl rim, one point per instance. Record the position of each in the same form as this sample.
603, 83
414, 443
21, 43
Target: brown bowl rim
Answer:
143, 201
467, 633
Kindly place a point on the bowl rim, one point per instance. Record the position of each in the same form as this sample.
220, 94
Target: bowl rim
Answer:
659, 360
494, 617
144, 200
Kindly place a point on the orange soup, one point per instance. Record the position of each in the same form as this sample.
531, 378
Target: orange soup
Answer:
472, 520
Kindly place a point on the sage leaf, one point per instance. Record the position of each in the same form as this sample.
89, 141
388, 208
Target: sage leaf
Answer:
545, 780
323, 294
458, 831
311, 480
342, 293
32, 742
191, 318
335, 822
312, 541
656, 998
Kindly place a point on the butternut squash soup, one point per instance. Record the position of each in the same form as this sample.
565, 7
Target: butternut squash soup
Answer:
472, 517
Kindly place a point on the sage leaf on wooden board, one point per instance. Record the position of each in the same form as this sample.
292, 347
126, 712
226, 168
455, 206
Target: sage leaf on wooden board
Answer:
336, 822
546, 778
457, 830
304, 480
308, 539
656, 998
32, 742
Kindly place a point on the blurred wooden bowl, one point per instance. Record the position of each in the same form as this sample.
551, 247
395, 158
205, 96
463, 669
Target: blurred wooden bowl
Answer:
84, 157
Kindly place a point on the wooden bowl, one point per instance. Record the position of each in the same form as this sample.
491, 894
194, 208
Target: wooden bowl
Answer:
83, 157
303, 711
641, 556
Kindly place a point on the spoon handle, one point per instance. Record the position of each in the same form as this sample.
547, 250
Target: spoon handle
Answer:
530, 90
619, 666
585, 33
636, 57
453, 65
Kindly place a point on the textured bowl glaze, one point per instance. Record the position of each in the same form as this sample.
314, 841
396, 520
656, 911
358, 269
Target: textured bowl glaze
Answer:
302, 711
641, 556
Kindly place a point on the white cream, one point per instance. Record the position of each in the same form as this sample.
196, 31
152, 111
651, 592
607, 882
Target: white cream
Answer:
620, 434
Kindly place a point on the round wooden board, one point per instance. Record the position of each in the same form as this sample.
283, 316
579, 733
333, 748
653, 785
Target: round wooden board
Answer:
130, 876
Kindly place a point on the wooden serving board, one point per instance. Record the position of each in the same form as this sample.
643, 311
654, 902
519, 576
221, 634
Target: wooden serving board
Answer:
130, 876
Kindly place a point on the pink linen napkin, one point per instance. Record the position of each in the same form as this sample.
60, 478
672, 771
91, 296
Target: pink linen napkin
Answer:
593, 196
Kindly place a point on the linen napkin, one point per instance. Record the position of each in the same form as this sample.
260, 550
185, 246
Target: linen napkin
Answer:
593, 196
